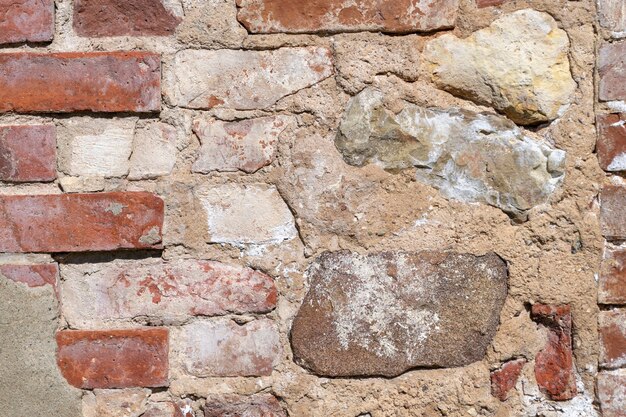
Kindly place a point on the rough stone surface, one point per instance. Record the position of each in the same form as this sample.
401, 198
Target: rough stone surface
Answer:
612, 329
489, 3
611, 146
130, 402
30, 383
260, 405
27, 153
612, 71
154, 152
383, 314
275, 16
114, 358
612, 281
80, 81
246, 145
505, 378
31, 275
612, 393
243, 80
246, 214
211, 24
612, 213
95, 147
612, 14
80, 222
222, 347
96, 295
97, 18
554, 364
26, 21
474, 157
518, 65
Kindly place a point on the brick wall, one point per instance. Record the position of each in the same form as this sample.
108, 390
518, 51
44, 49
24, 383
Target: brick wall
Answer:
252, 208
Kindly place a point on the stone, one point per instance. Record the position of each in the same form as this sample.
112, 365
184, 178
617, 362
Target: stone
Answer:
518, 65
30, 383
554, 364
80, 81
221, 347
612, 71
505, 378
98, 295
99, 18
130, 402
612, 14
80, 222
467, 156
28, 153
612, 213
259, 405
114, 358
246, 214
383, 314
246, 145
612, 329
612, 281
489, 3
154, 152
611, 145
31, 275
243, 80
396, 16
95, 147
26, 21
166, 409
211, 24
612, 393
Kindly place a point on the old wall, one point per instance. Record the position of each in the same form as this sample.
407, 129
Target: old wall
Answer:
312, 208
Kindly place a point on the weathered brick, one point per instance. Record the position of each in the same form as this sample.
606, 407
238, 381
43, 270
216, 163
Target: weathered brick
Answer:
397, 16
27, 153
243, 80
612, 393
612, 328
114, 358
154, 151
612, 71
95, 295
554, 364
611, 145
260, 405
246, 145
612, 213
98, 18
31, 275
489, 3
612, 282
505, 378
228, 209
167, 409
78, 81
222, 347
80, 222
26, 21
612, 14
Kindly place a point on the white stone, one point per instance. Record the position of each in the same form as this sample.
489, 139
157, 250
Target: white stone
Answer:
129, 402
154, 151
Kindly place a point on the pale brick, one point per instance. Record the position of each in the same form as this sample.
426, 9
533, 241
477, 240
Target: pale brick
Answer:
612, 14
612, 329
154, 152
612, 393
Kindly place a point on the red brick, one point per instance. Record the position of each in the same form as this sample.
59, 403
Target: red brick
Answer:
489, 3
80, 222
31, 275
611, 145
399, 16
505, 378
114, 358
612, 328
97, 18
612, 71
27, 153
612, 282
554, 364
26, 21
77, 81
612, 393
612, 213
260, 405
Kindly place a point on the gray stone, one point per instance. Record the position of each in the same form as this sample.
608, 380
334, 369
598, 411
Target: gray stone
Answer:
386, 313
472, 157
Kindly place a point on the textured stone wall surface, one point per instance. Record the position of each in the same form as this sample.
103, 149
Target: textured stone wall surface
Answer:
322, 208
